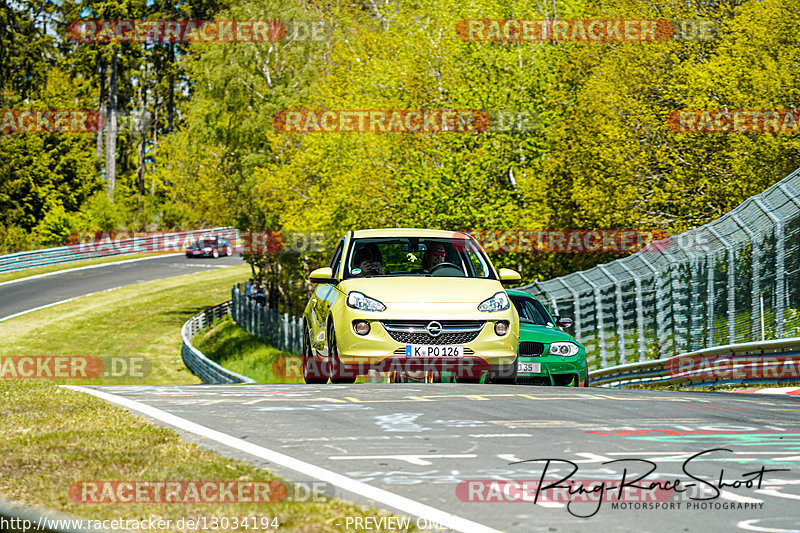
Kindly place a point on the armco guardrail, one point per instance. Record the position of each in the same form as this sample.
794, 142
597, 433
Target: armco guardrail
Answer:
279, 330
65, 254
754, 362
16, 517
200, 365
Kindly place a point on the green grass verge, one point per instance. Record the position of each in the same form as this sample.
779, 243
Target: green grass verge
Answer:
54, 437
235, 349
8, 276
142, 320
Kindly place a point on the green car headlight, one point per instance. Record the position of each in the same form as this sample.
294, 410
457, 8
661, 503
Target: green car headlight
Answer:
359, 300
563, 348
498, 302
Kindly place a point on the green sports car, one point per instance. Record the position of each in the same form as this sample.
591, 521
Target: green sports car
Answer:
547, 355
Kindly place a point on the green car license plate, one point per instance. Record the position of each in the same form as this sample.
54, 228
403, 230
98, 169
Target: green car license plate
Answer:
529, 368
419, 350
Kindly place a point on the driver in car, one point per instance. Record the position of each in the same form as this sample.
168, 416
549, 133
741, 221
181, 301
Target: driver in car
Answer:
435, 254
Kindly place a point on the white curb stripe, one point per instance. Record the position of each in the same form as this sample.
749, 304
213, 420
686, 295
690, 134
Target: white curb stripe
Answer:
385, 497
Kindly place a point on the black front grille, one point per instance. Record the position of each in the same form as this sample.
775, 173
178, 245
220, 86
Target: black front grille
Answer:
531, 348
424, 338
453, 331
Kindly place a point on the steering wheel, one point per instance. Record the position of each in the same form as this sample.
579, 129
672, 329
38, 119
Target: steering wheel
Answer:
434, 268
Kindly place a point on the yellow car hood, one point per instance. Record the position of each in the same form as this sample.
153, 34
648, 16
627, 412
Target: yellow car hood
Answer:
423, 289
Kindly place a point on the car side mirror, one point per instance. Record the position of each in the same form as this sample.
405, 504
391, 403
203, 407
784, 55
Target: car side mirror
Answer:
322, 275
509, 276
563, 321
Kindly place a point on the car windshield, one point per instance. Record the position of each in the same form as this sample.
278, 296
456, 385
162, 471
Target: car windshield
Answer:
417, 256
531, 311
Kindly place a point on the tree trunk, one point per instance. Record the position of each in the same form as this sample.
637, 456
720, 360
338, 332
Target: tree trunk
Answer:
111, 131
102, 109
142, 136
155, 144
171, 95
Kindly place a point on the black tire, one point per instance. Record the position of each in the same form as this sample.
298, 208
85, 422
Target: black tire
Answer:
215, 253
505, 374
311, 370
337, 372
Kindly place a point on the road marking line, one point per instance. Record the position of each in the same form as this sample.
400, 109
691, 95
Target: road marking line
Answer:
15, 315
738, 498
749, 525
369, 492
419, 399
777, 493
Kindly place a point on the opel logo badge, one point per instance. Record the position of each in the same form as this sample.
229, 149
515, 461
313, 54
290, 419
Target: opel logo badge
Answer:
434, 329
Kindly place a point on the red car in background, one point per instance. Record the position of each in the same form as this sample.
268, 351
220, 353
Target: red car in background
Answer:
209, 246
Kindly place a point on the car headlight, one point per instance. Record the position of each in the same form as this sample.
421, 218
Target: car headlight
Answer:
358, 300
498, 302
563, 348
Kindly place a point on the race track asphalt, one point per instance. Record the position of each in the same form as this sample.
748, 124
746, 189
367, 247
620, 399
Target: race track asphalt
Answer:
426, 442
25, 294
422, 441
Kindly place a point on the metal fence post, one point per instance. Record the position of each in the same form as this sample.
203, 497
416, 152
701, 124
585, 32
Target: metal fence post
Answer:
755, 273
731, 285
780, 270
639, 311
601, 330
577, 307
620, 314
659, 297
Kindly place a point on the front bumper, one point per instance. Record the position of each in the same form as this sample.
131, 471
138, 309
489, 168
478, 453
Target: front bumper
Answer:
379, 350
555, 369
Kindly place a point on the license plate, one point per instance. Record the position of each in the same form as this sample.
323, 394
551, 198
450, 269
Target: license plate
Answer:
418, 350
529, 368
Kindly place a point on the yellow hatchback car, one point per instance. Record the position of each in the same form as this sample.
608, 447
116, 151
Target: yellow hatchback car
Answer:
410, 301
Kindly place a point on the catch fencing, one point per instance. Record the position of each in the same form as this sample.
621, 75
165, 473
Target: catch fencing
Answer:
734, 280
279, 330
